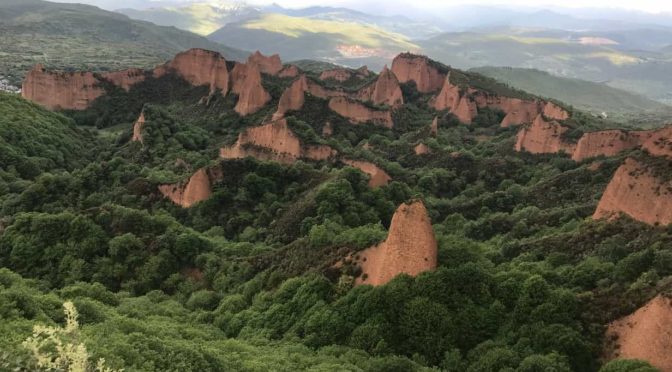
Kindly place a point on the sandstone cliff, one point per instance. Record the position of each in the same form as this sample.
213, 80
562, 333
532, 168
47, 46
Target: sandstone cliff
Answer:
637, 192
251, 94
290, 71
410, 248
137, 128
458, 103
378, 177
199, 67
268, 65
274, 141
344, 74
434, 128
421, 149
543, 137
645, 334
61, 90
197, 189
292, 98
607, 143
384, 91
659, 142
408, 67
126, 78
358, 113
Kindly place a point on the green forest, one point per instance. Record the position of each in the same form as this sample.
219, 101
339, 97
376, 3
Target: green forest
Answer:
526, 280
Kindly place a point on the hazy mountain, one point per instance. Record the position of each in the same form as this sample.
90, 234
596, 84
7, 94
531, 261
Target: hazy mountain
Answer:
83, 36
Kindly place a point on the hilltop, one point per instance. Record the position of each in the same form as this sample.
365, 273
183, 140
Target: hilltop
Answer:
75, 36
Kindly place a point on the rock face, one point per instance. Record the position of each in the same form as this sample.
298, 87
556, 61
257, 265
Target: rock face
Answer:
410, 248
543, 137
553, 111
637, 192
519, 111
645, 334
126, 78
251, 94
385, 91
421, 149
408, 67
137, 128
659, 142
199, 67
292, 98
434, 128
290, 71
607, 143
378, 177
274, 141
61, 90
268, 65
197, 189
458, 103
358, 113
344, 74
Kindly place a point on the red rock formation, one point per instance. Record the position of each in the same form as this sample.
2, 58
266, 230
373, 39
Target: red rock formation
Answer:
659, 142
408, 67
385, 90
290, 71
637, 192
421, 149
434, 128
292, 98
199, 67
358, 113
137, 128
274, 141
543, 137
410, 248
197, 189
268, 65
61, 90
458, 103
555, 112
338, 74
607, 143
126, 78
327, 130
251, 94
378, 177
645, 334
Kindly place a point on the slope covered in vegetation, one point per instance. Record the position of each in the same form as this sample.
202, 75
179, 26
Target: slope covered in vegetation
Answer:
260, 273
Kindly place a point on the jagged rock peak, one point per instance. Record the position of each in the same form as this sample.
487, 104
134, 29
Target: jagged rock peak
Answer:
410, 247
271, 65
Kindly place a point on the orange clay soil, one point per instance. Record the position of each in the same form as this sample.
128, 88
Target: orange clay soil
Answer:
645, 334
378, 177
635, 191
410, 248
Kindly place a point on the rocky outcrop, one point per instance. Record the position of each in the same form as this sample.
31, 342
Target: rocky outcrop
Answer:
419, 69
61, 90
451, 98
378, 177
434, 127
197, 189
199, 67
410, 248
645, 334
518, 111
358, 113
636, 191
274, 141
292, 98
126, 78
421, 149
268, 65
290, 71
327, 130
607, 143
659, 142
251, 94
384, 91
593, 144
138, 127
555, 112
543, 137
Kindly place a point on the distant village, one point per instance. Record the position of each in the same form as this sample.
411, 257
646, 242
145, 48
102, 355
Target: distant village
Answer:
5, 86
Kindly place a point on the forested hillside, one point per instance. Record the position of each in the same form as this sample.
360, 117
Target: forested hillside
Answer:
213, 216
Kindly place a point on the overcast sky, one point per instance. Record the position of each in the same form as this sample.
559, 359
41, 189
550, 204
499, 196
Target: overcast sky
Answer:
643, 5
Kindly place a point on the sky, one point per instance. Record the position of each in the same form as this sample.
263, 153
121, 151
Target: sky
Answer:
654, 6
